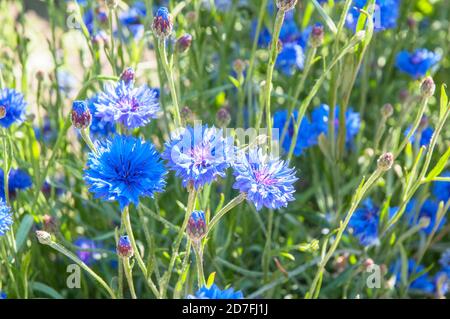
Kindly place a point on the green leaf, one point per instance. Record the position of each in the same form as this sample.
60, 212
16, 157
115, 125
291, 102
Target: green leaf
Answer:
439, 166
444, 102
24, 229
39, 286
328, 21
234, 81
288, 256
211, 279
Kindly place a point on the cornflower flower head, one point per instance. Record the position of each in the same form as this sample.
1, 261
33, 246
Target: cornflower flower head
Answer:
364, 223
199, 154
422, 135
86, 250
12, 107
267, 181
133, 20
215, 292
162, 23
441, 190
17, 180
306, 137
290, 59
124, 168
196, 227
429, 209
128, 105
416, 63
98, 126
385, 16
423, 283
81, 115
3, 295
5, 218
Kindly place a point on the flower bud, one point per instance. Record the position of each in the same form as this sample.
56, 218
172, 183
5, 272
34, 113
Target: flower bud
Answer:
128, 76
239, 66
40, 75
49, 223
385, 161
223, 117
186, 114
411, 22
403, 95
124, 248
286, 5
81, 116
428, 87
317, 35
162, 23
184, 43
387, 110
196, 227
43, 237
2, 112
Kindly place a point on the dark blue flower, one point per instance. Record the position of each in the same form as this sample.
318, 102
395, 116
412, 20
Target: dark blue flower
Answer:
417, 63
98, 126
5, 218
133, 20
198, 155
364, 223
307, 136
266, 181
46, 133
442, 189
94, 20
290, 59
214, 292
124, 169
123, 103
319, 119
3, 295
87, 250
429, 209
17, 180
421, 283
424, 134
385, 17
12, 107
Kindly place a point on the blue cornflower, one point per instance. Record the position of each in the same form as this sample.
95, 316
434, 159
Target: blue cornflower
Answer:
429, 209
93, 20
442, 189
445, 262
417, 63
214, 292
132, 107
98, 126
421, 283
86, 250
12, 107
266, 181
3, 295
5, 218
307, 136
222, 5
17, 180
124, 169
319, 119
290, 59
424, 134
46, 133
385, 17
198, 155
133, 19
364, 223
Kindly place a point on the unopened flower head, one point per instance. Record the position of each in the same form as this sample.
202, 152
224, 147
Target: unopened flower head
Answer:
286, 5
5, 218
184, 43
44, 237
428, 87
162, 23
385, 161
128, 75
239, 66
223, 117
186, 114
317, 35
196, 227
124, 169
266, 181
124, 248
12, 107
199, 154
387, 110
81, 116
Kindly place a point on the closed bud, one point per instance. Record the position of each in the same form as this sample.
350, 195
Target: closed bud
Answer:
124, 248
81, 116
403, 95
128, 75
184, 43
196, 227
186, 114
239, 66
2, 112
40, 75
385, 161
387, 110
49, 223
162, 23
286, 5
43, 237
428, 87
223, 117
412, 22
317, 35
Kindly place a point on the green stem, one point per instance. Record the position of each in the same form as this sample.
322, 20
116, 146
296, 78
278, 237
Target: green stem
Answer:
129, 276
87, 138
198, 251
268, 247
233, 203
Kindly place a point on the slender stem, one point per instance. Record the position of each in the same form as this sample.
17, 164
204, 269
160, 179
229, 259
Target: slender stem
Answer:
199, 263
268, 246
129, 276
112, 42
233, 203
169, 74
87, 138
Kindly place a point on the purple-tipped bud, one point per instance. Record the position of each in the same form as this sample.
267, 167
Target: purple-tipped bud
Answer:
387, 110
385, 161
317, 35
2, 112
81, 116
186, 114
411, 22
128, 76
286, 5
196, 227
184, 43
162, 23
223, 117
239, 66
428, 87
43, 237
40, 75
124, 248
